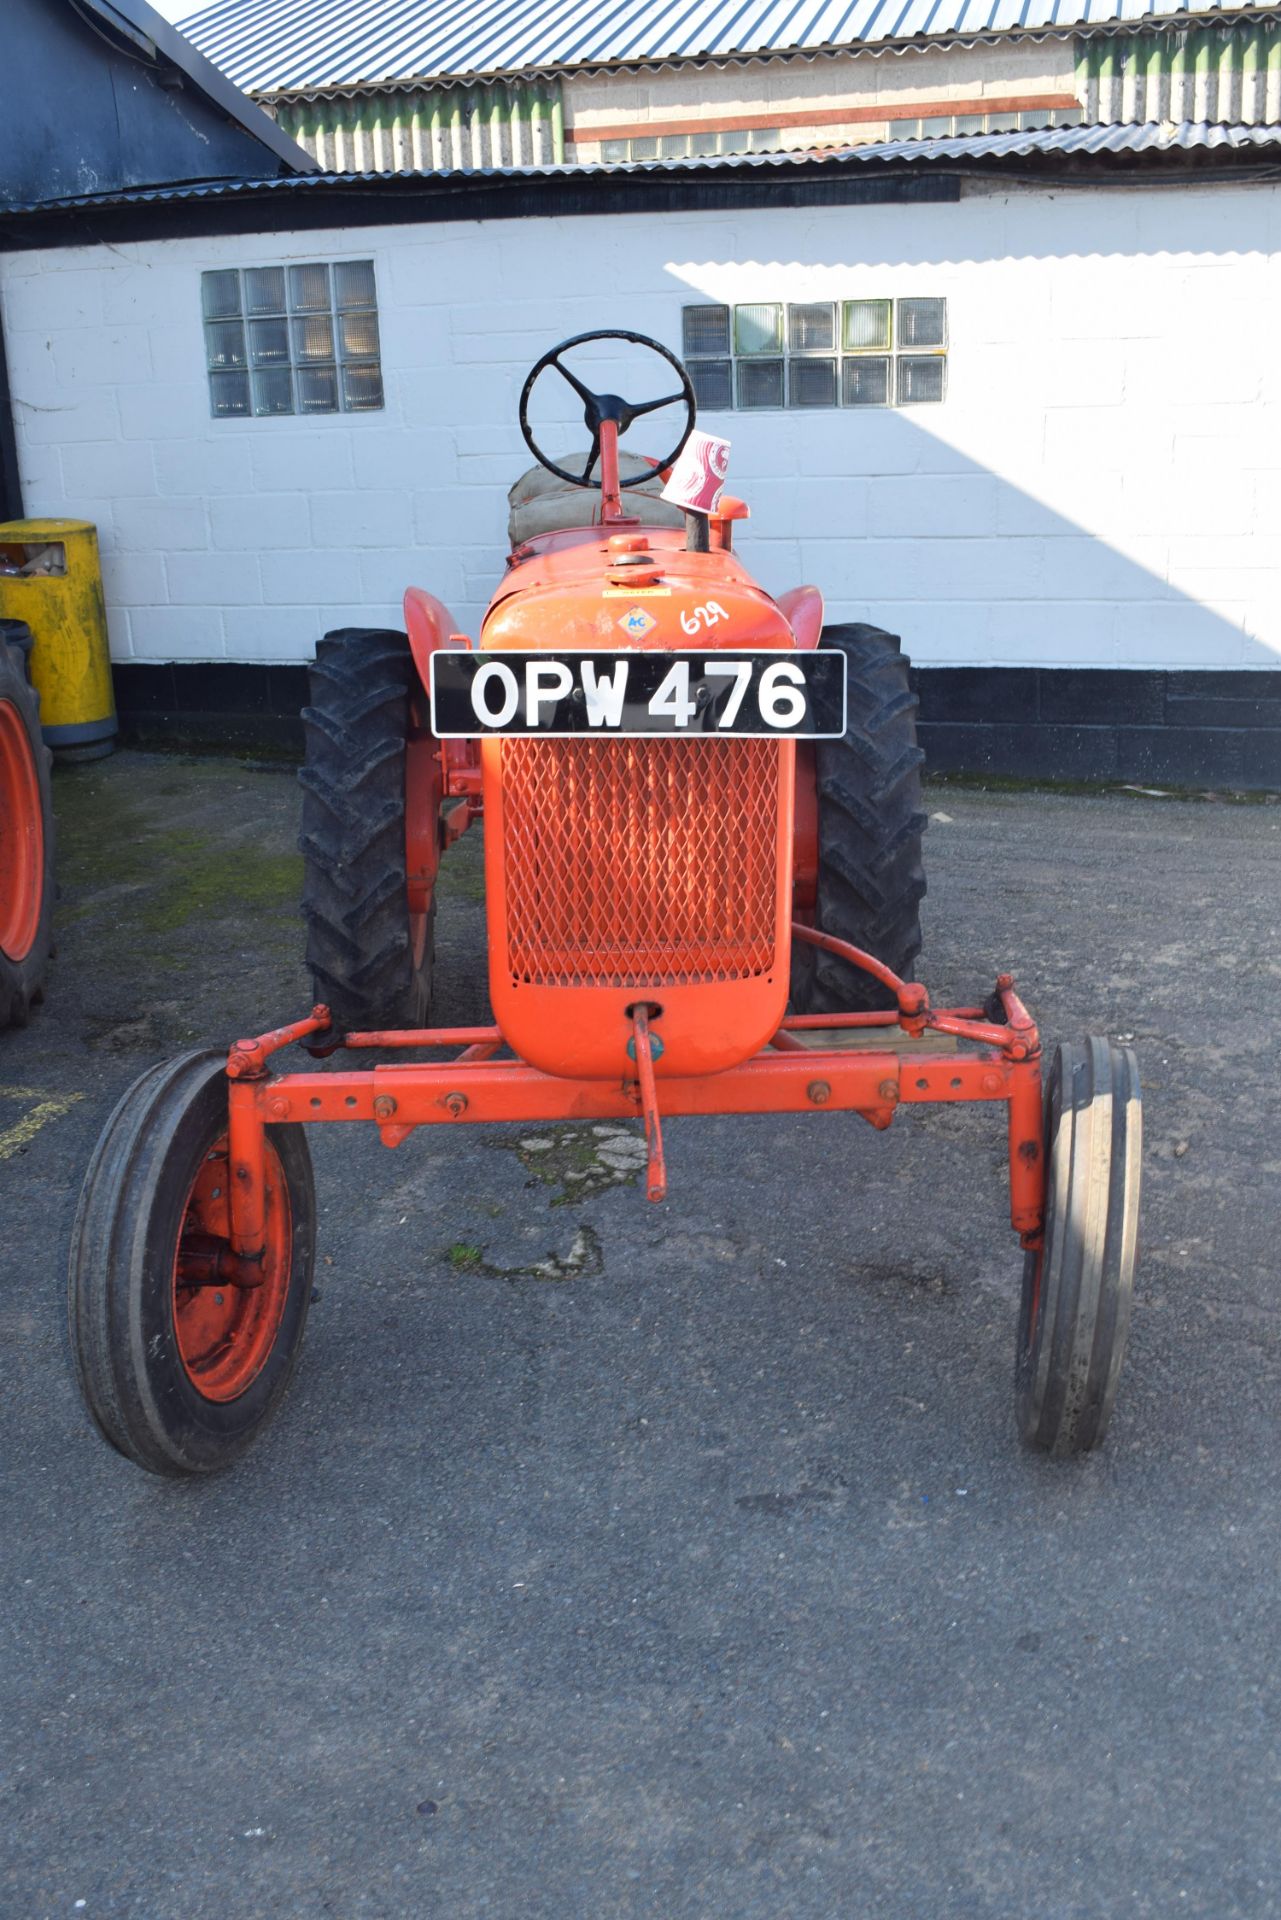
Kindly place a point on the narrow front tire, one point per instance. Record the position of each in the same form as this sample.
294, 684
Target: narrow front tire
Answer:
182, 1355
1079, 1284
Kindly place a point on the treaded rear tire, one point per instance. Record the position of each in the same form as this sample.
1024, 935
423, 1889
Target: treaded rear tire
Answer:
360, 941
22, 976
1078, 1287
871, 879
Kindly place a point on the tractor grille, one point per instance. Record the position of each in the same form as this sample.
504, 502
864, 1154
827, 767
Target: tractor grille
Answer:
633, 862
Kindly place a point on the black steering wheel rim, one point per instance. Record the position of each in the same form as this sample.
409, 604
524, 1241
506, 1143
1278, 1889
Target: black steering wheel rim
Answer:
598, 407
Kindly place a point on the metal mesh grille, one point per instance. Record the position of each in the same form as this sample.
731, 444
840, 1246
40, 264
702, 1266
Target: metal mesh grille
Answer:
639, 862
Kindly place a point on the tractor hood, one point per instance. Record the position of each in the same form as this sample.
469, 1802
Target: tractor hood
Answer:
588, 589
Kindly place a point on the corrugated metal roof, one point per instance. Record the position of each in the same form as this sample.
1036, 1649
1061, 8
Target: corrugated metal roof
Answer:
271, 46
950, 152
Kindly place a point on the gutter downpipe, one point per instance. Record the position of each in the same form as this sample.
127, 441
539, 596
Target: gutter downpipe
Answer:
10, 477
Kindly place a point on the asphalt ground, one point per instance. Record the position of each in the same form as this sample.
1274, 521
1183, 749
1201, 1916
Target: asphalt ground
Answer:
682, 1561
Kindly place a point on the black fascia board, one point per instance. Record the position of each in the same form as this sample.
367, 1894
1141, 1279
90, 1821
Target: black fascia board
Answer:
301, 204
411, 199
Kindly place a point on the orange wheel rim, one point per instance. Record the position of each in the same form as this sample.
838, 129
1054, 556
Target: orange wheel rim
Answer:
226, 1315
21, 838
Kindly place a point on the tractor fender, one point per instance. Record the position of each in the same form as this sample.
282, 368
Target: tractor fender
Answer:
437, 770
430, 625
802, 608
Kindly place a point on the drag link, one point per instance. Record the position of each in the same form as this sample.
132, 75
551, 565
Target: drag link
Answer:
642, 1044
913, 999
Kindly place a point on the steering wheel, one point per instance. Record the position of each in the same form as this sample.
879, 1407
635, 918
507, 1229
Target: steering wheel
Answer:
598, 407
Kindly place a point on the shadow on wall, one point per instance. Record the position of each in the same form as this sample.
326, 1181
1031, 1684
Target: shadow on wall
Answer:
1040, 647
1057, 513
897, 525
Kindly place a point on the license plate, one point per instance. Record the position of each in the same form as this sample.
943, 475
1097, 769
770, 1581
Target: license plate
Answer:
750, 695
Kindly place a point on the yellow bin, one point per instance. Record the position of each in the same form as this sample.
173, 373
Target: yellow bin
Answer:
51, 578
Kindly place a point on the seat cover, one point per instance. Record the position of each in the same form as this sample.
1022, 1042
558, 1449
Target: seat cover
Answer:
541, 502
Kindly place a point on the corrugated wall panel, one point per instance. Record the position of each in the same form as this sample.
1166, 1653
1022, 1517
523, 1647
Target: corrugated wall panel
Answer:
1222, 75
431, 128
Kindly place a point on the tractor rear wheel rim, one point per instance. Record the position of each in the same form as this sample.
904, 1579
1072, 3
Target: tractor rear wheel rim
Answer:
226, 1327
21, 838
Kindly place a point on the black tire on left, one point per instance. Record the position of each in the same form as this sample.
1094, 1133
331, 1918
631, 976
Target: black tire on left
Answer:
121, 1281
22, 974
1078, 1287
367, 966
871, 880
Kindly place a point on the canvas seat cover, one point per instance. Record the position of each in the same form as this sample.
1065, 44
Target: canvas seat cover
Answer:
540, 502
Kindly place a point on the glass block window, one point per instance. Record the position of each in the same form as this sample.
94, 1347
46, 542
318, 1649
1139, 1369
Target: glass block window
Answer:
866, 382
922, 323
290, 340
705, 330
920, 380
713, 382
811, 383
812, 329
758, 329
862, 352
866, 326
759, 384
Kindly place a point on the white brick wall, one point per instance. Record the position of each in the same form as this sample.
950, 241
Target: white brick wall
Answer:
1101, 486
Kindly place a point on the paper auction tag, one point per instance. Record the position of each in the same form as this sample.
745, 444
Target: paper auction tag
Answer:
699, 473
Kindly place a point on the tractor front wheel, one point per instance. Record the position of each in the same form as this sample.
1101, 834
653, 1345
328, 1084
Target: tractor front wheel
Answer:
866, 806
1078, 1285
370, 758
26, 834
182, 1354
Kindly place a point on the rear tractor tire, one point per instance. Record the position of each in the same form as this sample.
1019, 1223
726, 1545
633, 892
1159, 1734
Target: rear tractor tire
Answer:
871, 880
26, 834
1078, 1286
180, 1366
370, 947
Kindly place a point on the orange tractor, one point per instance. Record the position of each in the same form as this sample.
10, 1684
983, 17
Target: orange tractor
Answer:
26, 834
700, 807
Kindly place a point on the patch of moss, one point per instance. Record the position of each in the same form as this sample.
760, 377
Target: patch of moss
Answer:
109, 843
101, 834
202, 879
575, 1159
584, 1256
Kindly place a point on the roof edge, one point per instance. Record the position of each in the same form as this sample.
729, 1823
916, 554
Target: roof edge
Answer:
1063, 155
136, 18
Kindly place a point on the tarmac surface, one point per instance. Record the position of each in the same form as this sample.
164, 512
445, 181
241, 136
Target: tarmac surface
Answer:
678, 1562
